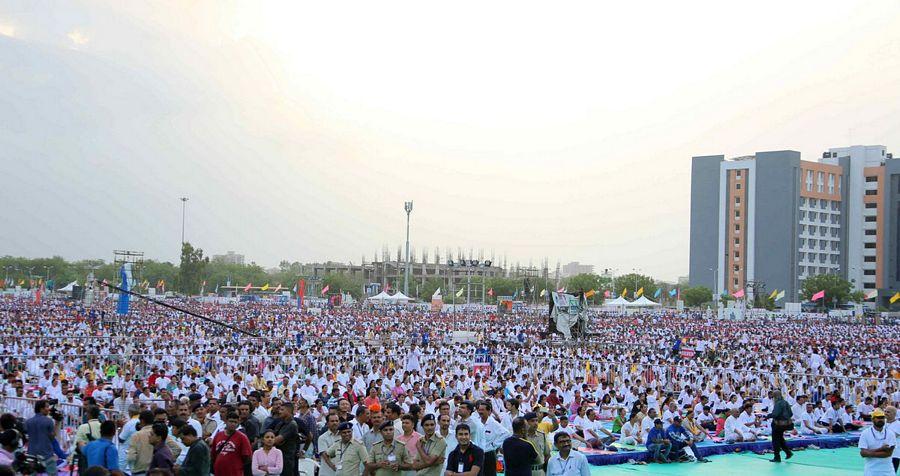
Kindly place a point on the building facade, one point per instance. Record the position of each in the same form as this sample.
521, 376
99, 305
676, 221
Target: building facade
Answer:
771, 220
575, 268
229, 258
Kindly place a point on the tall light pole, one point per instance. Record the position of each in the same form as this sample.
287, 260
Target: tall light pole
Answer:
183, 203
408, 206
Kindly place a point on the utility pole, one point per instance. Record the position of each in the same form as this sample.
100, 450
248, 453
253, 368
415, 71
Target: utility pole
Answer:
408, 206
183, 203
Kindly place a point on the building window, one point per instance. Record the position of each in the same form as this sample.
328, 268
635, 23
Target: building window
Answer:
737, 213
813, 216
869, 259
869, 285
802, 244
802, 201
871, 192
831, 184
813, 203
737, 227
802, 228
737, 200
737, 254
870, 219
812, 230
737, 268
870, 232
801, 269
871, 205
737, 241
737, 186
869, 272
820, 182
872, 178
737, 174
870, 245
735, 282
809, 180
812, 243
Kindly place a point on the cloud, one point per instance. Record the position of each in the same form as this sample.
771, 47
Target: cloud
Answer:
78, 38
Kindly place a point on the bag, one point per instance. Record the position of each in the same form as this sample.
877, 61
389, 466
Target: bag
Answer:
782, 425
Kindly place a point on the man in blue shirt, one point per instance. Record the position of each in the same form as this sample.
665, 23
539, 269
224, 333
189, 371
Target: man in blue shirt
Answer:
658, 443
681, 438
103, 452
41, 431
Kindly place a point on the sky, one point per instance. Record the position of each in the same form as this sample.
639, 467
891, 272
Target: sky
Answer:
531, 130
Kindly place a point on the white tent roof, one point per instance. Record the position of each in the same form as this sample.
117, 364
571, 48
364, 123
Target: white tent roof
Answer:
382, 296
619, 301
69, 287
642, 302
400, 297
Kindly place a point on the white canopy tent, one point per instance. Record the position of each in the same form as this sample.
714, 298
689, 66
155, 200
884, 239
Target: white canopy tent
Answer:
381, 297
68, 288
619, 301
400, 298
643, 302
385, 298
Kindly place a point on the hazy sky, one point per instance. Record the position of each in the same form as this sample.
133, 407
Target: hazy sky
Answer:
554, 129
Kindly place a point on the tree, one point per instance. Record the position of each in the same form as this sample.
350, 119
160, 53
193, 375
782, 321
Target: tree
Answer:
344, 282
837, 289
192, 269
696, 295
431, 285
586, 282
634, 282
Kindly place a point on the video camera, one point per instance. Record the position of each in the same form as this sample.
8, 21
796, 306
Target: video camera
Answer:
28, 464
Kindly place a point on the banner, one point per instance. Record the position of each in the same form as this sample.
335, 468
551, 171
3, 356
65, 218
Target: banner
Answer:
122, 307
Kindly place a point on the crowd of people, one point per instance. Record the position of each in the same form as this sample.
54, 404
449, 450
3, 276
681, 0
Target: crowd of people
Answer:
385, 392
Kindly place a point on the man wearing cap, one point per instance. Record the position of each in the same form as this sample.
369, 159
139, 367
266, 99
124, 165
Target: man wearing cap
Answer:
681, 438
346, 456
388, 457
876, 445
658, 443
539, 439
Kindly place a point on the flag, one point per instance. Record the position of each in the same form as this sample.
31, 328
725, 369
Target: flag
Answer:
818, 295
543, 292
656, 294
217, 288
872, 294
294, 290
606, 294
21, 282
780, 295
162, 284
459, 293
203, 284
437, 294
248, 286
490, 292
301, 290
2, 283
145, 284
387, 286
265, 287
37, 296
739, 294
639, 293
774, 293
122, 307
325, 289
895, 297
590, 294
673, 292
561, 290
278, 288
624, 292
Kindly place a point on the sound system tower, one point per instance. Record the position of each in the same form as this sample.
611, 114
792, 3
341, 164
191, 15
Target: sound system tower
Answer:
77, 292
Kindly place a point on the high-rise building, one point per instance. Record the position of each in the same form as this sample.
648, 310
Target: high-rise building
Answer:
229, 258
771, 220
575, 268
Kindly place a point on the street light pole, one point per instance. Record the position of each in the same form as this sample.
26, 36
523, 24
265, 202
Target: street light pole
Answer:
408, 206
183, 203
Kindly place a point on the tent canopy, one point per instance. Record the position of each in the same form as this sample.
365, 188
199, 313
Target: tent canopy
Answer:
384, 297
619, 301
68, 288
642, 302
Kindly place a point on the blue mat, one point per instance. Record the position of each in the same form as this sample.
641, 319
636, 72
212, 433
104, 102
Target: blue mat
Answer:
710, 449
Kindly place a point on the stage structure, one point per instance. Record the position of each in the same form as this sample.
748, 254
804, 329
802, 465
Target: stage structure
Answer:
568, 315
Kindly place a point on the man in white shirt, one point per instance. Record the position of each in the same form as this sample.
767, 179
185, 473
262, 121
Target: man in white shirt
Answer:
567, 462
876, 445
893, 425
735, 430
808, 426
647, 423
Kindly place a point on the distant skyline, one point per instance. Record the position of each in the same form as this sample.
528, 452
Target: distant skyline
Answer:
298, 129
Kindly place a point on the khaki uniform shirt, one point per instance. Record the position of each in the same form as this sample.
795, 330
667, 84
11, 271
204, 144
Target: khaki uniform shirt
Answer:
348, 457
434, 446
395, 453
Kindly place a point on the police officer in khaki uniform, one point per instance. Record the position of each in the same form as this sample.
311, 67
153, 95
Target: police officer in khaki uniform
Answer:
388, 457
539, 439
346, 456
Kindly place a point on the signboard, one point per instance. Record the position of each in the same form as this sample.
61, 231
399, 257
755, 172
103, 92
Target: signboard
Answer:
688, 352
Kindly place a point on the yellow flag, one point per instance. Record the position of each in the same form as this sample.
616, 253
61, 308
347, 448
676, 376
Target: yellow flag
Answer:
895, 297
459, 293
639, 293
624, 292
265, 287
590, 293
774, 293
21, 282
543, 292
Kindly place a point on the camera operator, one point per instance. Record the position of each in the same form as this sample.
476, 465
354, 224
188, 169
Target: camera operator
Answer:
41, 431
